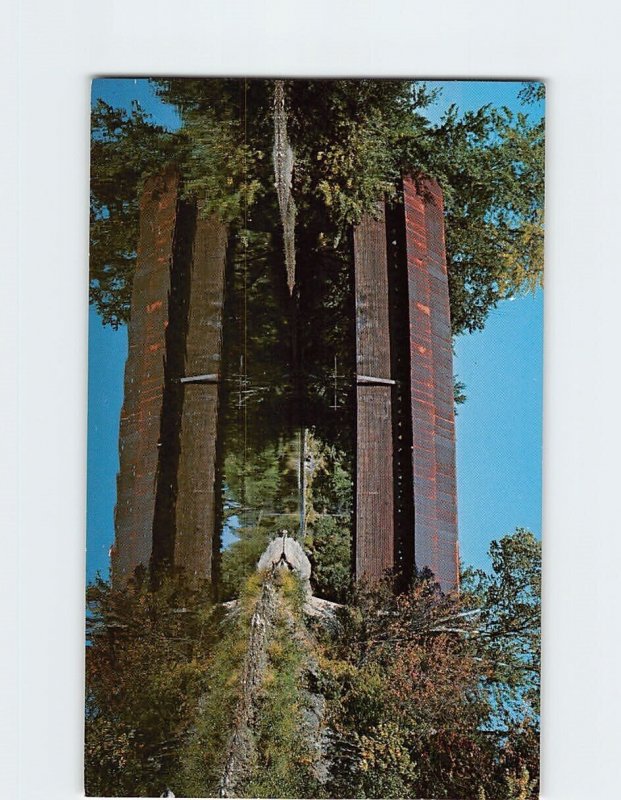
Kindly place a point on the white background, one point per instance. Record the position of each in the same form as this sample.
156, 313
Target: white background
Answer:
52, 49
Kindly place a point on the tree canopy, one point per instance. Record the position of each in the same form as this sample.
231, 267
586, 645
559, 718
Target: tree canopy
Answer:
352, 141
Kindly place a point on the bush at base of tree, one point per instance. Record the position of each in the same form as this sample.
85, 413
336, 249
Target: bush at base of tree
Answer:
146, 659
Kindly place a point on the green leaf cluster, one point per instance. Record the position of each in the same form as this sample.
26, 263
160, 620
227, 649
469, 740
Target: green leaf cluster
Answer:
125, 148
510, 620
432, 695
146, 658
352, 142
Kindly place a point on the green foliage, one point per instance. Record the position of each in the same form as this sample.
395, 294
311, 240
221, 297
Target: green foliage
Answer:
239, 560
145, 671
386, 767
228, 128
490, 165
331, 485
352, 140
510, 619
203, 755
532, 92
459, 393
520, 786
328, 543
284, 765
124, 148
257, 483
420, 698
349, 150
427, 695
265, 481
329, 499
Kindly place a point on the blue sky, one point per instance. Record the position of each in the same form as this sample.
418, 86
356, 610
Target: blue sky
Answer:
498, 428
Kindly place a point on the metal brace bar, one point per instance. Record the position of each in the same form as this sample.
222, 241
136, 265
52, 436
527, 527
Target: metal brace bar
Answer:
211, 378
369, 380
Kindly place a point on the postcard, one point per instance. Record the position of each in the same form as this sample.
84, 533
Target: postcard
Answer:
314, 474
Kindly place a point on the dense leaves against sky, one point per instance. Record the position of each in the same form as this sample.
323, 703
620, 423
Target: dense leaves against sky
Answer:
437, 696
352, 141
124, 149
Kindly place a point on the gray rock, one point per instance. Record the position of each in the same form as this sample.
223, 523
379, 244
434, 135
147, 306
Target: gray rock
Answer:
286, 551
321, 609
